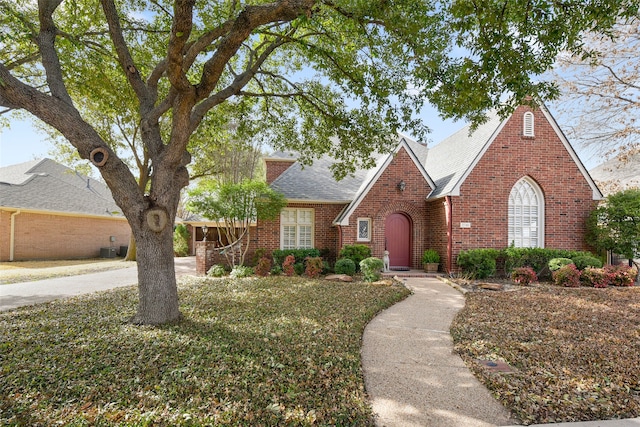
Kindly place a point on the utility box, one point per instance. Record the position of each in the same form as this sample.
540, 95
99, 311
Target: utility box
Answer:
107, 252
123, 251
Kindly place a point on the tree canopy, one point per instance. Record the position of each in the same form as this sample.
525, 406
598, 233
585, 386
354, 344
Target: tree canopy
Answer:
600, 94
615, 224
314, 76
237, 207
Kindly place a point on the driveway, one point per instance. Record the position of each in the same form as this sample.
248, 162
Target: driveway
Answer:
29, 293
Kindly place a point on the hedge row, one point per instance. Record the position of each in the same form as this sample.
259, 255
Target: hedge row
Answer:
483, 263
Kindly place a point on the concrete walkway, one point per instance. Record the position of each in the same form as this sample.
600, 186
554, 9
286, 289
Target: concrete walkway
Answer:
28, 293
411, 373
414, 378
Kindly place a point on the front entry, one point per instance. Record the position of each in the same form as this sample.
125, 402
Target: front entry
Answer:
397, 237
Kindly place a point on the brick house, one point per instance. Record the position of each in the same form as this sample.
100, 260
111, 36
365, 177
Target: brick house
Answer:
48, 211
514, 181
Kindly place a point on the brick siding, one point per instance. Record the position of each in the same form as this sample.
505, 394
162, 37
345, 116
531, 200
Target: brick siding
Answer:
50, 236
483, 199
484, 196
275, 168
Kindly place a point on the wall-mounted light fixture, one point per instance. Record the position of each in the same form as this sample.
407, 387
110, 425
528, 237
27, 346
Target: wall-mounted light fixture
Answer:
402, 185
205, 230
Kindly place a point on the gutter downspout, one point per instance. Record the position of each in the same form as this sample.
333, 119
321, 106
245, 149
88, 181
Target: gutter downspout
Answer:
12, 237
448, 209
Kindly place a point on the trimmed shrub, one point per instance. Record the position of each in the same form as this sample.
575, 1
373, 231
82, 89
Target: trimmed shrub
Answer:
287, 265
524, 276
478, 263
216, 270
345, 266
567, 276
276, 270
355, 253
240, 271
584, 261
298, 268
371, 268
313, 267
299, 254
537, 258
595, 277
556, 263
621, 275
263, 267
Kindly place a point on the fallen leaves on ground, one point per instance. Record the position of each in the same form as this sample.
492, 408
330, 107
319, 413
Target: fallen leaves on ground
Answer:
576, 351
248, 352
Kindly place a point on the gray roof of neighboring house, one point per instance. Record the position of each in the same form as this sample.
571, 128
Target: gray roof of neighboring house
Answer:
623, 174
49, 186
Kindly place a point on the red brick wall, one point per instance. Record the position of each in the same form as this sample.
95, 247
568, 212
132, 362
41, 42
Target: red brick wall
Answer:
49, 236
384, 198
483, 199
275, 168
326, 235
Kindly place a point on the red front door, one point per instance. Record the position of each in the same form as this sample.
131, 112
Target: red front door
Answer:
397, 235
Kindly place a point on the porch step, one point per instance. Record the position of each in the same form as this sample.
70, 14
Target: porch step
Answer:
411, 273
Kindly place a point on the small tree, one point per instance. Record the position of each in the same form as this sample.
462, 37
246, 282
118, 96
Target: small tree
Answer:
235, 207
615, 224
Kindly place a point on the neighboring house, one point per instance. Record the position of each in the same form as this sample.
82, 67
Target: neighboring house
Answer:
48, 211
515, 181
618, 174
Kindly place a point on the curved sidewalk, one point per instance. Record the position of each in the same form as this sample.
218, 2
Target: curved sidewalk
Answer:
412, 375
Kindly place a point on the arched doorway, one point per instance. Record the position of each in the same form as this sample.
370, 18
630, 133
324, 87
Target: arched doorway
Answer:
397, 237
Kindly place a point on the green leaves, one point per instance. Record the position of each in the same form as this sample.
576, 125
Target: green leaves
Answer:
249, 352
615, 224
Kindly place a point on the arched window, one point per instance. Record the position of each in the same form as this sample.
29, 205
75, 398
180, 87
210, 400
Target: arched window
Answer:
527, 128
526, 215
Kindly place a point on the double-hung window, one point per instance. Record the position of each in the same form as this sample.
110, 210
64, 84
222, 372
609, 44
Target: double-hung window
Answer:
296, 229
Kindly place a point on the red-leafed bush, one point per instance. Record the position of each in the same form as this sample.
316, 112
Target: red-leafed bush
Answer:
263, 267
287, 265
621, 275
595, 277
313, 267
524, 276
567, 276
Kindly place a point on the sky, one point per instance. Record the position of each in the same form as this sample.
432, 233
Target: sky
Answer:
22, 142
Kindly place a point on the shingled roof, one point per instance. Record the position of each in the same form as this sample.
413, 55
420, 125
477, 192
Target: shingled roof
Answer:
45, 185
447, 164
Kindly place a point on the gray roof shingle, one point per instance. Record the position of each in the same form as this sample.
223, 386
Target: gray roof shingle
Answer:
49, 186
316, 182
448, 162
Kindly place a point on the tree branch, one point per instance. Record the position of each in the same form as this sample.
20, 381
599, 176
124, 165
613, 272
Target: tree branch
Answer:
124, 56
46, 43
248, 20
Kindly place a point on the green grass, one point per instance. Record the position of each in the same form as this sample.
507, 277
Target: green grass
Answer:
249, 352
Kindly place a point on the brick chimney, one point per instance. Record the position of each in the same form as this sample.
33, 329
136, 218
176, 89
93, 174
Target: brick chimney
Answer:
276, 164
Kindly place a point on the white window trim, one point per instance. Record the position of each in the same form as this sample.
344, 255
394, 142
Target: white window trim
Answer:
368, 237
528, 124
297, 227
541, 211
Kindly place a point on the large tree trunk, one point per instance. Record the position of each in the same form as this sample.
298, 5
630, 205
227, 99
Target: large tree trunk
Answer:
157, 287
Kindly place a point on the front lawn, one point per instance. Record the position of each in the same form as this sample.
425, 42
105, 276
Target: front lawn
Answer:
575, 351
249, 352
